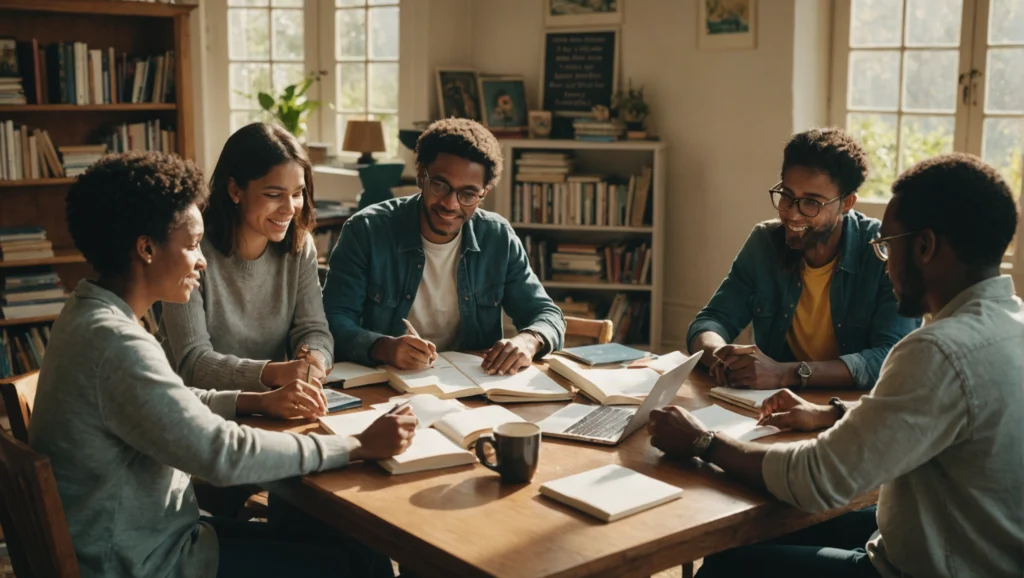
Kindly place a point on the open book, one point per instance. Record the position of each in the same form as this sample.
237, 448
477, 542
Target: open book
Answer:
732, 424
746, 398
611, 492
457, 375
445, 431
354, 375
618, 386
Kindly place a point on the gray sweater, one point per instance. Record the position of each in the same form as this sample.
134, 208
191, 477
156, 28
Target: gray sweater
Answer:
941, 433
245, 314
123, 434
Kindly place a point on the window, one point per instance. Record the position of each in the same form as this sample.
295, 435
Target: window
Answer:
274, 43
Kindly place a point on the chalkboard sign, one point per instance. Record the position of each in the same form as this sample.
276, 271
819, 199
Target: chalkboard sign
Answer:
580, 70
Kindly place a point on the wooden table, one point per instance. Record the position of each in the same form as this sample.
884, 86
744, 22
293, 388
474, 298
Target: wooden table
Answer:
463, 522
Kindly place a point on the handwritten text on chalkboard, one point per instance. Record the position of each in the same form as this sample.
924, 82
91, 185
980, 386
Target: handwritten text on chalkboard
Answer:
579, 70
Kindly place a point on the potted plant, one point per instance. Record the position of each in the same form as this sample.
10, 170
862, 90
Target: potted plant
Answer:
631, 107
289, 108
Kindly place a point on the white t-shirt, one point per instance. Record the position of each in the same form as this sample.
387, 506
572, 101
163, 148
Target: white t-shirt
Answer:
435, 310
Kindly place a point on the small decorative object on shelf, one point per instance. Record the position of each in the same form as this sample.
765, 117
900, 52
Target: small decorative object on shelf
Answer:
540, 123
365, 137
289, 108
632, 110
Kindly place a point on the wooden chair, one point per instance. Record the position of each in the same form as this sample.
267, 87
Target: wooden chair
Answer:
19, 396
37, 533
600, 330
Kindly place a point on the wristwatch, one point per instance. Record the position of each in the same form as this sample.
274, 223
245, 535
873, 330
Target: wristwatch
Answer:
839, 405
700, 447
804, 371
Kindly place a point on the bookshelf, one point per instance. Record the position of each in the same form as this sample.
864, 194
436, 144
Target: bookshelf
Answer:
136, 29
562, 224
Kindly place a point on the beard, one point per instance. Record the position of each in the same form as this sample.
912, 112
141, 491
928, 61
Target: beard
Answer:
813, 237
438, 230
910, 300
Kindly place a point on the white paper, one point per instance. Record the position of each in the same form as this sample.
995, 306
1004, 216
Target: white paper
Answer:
732, 424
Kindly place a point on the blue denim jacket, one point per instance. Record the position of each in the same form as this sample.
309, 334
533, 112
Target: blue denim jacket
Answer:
377, 266
761, 287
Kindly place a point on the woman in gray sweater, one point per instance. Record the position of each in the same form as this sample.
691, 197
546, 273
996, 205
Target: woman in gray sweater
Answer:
257, 320
122, 430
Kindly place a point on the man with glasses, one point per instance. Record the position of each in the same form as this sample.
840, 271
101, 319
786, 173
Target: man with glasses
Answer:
432, 272
822, 309
940, 433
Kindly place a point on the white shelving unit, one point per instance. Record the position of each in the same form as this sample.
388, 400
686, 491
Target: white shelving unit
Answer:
620, 159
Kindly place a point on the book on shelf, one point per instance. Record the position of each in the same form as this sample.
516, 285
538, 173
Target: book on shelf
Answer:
456, 375
77, 158
615, 385
151, 135
581, 199
27, 153
36, 292
24, 244
12, 90
611, 492
590, 129
22, 349
621, 262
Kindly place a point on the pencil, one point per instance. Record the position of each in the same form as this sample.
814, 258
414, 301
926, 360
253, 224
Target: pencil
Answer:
410, 328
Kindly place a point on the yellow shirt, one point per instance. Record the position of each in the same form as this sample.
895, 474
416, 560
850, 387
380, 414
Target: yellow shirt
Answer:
812, 336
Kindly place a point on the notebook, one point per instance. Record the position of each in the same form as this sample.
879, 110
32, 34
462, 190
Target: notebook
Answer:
603, 354
611, 492
732, 424
354, 375
616, 386
456, 375
747, 398
337, 401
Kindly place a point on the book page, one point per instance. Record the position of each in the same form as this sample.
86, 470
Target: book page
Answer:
529, 381
625, 382
349, 424
444, 376
465, 427
732, 424
428, 408
428, 450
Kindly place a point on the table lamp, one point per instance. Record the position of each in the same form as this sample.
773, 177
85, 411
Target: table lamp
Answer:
366, 137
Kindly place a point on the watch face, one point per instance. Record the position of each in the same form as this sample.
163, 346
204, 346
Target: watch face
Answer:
804, 370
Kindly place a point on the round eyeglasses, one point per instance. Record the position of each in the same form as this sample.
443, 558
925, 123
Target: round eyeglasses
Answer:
807, 206
441, 190
881, 244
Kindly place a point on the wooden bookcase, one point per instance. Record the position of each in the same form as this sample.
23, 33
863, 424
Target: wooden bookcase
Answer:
132, 27
618, 160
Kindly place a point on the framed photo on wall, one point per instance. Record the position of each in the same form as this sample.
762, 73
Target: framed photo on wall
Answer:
458, 94
504, 102
579, 70
726, 24
582, 12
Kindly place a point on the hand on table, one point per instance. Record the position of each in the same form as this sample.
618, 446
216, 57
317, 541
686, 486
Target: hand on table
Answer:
389, 435
508, 356
674, 431
787, 410
746, 366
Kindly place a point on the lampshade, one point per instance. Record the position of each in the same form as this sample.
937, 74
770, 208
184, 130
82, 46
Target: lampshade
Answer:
364, 136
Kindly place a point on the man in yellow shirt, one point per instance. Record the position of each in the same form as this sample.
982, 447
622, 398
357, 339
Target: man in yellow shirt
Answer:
822, 308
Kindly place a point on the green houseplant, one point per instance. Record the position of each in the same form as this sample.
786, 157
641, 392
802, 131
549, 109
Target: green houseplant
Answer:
289, 108
631, 107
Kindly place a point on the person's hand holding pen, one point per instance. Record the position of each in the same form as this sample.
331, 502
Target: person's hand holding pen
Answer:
409, 351
307, 366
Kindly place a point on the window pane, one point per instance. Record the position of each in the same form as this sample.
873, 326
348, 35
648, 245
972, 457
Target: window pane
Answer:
242, 118
1006, 22
286, 74
1002, 143
383, 2
248, 32
288, 32
389, 123
923, 137
341, 3
930, 80
350, 26
287, 3
875, 23
247, 2
877, 134
874, 79
383, 86
933, 22
383, 29
245, 80
1005, 71
351, 87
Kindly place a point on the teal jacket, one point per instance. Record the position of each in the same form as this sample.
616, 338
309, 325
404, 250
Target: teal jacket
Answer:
377, 266
764, 285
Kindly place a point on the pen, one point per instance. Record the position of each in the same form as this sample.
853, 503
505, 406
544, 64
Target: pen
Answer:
398, 407
410, 328
303, 352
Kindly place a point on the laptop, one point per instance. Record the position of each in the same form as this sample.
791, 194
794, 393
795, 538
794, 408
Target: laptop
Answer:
610, 424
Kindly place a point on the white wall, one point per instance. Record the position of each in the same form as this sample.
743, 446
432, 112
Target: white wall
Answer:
725, 114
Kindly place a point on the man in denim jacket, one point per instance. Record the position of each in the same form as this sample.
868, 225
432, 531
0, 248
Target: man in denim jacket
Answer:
432, 272
823, 310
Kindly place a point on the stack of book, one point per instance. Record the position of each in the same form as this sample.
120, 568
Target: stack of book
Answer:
577, 263
78, 158
11, 91
572, 308
588, 129
543, 167
27, 153
74, 73
22, 351
24, 244
35, 294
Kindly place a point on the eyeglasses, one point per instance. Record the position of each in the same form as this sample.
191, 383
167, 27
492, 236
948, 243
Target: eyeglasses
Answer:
807, 206
881, 244
441, 190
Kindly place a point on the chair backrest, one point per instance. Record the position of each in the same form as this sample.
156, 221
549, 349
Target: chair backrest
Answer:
19, 396
600, 330
33, 519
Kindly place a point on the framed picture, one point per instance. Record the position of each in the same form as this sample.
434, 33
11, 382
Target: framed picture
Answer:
726, 24
504, 102
582, 12
8, 57
458, 94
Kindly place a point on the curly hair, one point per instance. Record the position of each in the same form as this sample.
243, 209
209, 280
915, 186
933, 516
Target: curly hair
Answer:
463, 138
831, 151
126, 196
963, 199
250, 154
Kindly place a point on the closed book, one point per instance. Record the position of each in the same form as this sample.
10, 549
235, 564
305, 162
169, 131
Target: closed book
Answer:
747, 398
611, 492
351, 375
603, 354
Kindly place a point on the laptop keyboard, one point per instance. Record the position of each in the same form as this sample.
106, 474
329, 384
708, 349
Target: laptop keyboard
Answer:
605, 422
